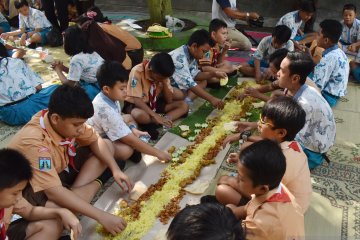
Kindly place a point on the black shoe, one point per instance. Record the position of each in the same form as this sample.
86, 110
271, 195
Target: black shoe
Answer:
135, 157
208, 199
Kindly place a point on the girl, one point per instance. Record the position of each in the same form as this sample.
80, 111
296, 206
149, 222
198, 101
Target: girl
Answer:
84, 62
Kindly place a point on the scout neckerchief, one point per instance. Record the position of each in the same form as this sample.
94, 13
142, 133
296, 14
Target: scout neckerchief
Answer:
152, 91
67, 142
294, 146
279, 196
2, 225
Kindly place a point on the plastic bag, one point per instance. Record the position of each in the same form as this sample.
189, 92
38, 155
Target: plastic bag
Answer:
174, 24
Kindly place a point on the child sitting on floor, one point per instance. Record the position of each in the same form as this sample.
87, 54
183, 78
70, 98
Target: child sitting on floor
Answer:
107, 119
144, 102
350, 36
34, 222
280, 39
214, 59
33, 25
64, 175
22, 94
331, 74
84, 62
187, 76
281, 119
272, 213
294, 20
205, 221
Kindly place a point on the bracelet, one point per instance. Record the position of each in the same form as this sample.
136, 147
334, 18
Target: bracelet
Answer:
131, 126
247, 16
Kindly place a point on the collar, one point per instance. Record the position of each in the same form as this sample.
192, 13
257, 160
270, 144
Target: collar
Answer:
297, 16
147, 71
54, 136
110, 102
187, 53
300, 91
290, 144
330, 49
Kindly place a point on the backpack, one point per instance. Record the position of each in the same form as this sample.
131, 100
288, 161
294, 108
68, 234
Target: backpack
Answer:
54, 38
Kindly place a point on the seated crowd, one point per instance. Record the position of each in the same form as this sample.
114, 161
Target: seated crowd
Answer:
79, 134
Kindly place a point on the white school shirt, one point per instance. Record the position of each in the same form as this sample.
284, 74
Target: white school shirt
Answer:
186, 68
83, 66
107, 119
36, 19
352, 34
217, 11
265, 49
331, 74
291, 20
17, 80
318, 133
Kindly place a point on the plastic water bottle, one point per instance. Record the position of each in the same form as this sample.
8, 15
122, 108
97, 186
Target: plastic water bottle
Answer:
165, 128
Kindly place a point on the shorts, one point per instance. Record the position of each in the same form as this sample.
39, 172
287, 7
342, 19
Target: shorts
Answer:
42, 33
263, 63
20, 112
5, 26
91, 89
160, 106
314, 158
331, 99
356, 74
67, 178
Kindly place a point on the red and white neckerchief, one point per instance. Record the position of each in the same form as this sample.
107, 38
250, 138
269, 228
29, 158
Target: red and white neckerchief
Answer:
279, 196
294, 146
216, 53
68, 142
2, 225
152, 91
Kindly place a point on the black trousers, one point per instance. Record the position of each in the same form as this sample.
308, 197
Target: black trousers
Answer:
62, 13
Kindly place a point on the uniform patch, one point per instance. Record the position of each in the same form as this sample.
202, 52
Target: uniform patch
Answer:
133, 82
44, 164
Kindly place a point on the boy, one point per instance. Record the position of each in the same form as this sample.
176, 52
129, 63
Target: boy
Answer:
332, 72
40, 223
33, 25
144, 102
214, 59
350, 36
48, 142
107, 120
205, 221
272, 213
187, 76
294, 19
281, 119
280, 39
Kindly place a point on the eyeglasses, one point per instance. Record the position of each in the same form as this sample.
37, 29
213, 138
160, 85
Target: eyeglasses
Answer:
262, 122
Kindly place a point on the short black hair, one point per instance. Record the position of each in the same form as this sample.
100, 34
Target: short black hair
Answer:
208, 221
265, 162
216, 24
307, 6
111, 72
14, 168
331, 29
349, 6
162, 63
200, 37
276, 57
282, 33
301, 64
20, 3
75, 41
286, 113
71, 102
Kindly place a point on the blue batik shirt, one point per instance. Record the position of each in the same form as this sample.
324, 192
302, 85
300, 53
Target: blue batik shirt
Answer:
331, 74
83, 66
318, 133
107, 119
36, 19
350, 35
291, 20
186, 68
265, 49
17, 80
